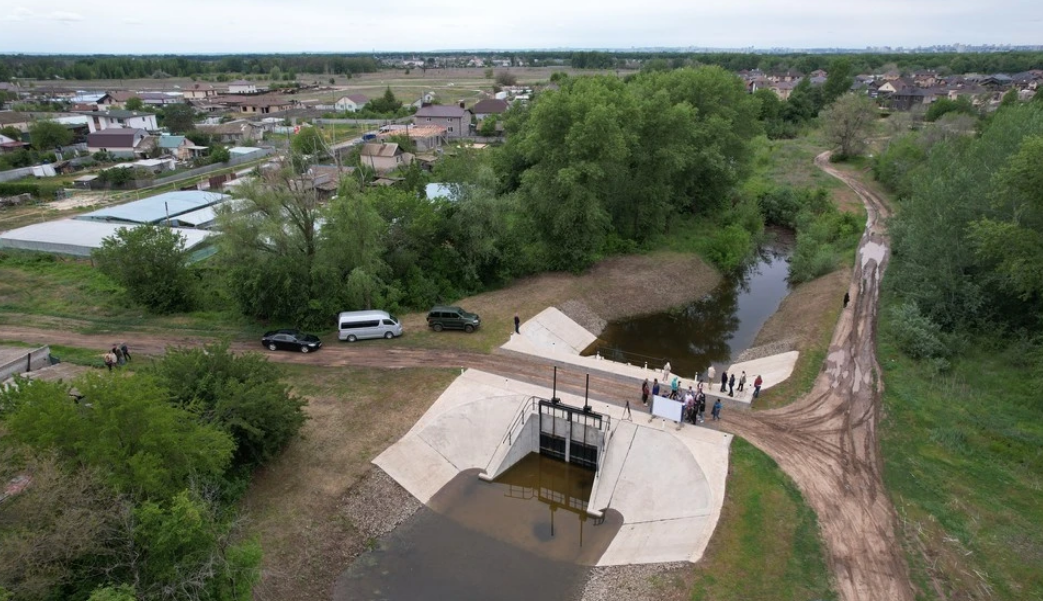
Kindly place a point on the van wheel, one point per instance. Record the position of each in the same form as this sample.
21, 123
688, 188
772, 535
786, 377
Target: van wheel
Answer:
352, 338
388, 335
437, 327
468, 328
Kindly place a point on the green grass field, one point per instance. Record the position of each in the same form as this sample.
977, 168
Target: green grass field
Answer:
767, 545
963, 456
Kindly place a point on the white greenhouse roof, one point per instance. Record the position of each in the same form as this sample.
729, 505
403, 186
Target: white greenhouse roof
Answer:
156, 209
76, 237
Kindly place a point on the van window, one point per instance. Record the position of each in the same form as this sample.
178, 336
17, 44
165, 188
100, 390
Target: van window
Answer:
388, 322
355, 325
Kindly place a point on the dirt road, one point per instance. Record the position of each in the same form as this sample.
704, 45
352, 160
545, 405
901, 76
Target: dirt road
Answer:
826, 442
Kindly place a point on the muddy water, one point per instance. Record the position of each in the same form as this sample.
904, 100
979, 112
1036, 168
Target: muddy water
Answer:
525, 536
712, 330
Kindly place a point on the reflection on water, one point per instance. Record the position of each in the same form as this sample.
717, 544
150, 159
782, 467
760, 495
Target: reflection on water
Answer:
712, 330
526, 536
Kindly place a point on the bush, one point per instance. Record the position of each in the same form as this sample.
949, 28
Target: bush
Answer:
917, 336
811, 259
40, 190
728, 248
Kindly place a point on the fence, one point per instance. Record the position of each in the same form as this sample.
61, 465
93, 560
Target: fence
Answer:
235, 160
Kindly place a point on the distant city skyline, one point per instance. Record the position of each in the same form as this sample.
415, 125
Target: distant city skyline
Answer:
278, 26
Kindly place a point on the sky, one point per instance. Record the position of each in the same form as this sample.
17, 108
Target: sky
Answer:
274, 26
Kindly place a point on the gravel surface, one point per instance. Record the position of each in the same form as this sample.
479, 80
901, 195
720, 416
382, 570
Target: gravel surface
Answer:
378, 504
579, 312
649, 582
767, 350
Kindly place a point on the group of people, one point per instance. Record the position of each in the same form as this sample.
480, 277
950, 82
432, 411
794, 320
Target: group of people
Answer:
694, 400
118, 355
728, 382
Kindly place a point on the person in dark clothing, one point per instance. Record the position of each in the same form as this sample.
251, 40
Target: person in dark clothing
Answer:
731, 385
717, 410
117, 353
702, 408
517, 325
757, 386
724, 381
655, 387
847, 299
125, 351
644, 392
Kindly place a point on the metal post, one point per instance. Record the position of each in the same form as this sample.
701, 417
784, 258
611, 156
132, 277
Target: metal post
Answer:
586, 394
554, 393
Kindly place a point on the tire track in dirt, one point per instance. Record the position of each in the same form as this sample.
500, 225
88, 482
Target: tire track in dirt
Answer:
826, 442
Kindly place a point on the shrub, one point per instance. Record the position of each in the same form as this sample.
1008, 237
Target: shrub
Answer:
916, 335
811, 259
728, 248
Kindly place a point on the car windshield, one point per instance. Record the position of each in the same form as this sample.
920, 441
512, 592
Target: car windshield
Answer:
393, 318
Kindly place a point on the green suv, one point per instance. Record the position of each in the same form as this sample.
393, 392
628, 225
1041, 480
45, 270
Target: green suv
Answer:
452, 318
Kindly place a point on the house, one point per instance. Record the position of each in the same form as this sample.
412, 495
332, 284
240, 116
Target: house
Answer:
10, 144
424, 137
262, 104
455, 119
783, 89
120, 142
99, 120
179, 147
384, 157
199, 91
160, 98
19, 121
234, 131
241, 86
351, 103
117, 99
489, 106
819, 73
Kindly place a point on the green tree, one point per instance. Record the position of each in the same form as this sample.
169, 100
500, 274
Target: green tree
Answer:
151, 263
124, 427
386, 104
11, 132
802, 104
134, 104
848, 123
944, 106
219, 154
838, 80
179, 118
243, 394
487, 127
48, 135
122, 592
488, 73
1010, 98
506, 78
309, 142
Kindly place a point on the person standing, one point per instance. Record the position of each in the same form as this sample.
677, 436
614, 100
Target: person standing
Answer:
742, 381
731, 385
847, 299
702, 409
717, 410
644, 392
110, 360
724, 381
517, 325
711, 375
116, 353
757, 387
655, 387
125, 351
626, 411
675, 384
666, 371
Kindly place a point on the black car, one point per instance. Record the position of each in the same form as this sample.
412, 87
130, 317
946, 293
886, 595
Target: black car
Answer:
291, 340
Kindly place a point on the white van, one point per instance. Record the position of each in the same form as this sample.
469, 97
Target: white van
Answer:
360, 325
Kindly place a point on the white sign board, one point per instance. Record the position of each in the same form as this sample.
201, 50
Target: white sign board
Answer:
667, 408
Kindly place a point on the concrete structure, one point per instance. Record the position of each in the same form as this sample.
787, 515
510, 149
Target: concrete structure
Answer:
16, 360
667, 483
156, 209
76, 237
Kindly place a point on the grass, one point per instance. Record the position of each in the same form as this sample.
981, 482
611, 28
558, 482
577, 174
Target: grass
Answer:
766, 546
964, 466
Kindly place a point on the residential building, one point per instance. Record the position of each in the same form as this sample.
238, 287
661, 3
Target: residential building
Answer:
117, 99
15, 119
234, 131
424, 137
120, 142
161, 98
242, 86
455, 119
179, 147
99, 120
384, 157
351, 103
489, 106
199, 91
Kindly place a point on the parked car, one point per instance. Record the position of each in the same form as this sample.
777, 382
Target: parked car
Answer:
452, 318
360, 325
291, 340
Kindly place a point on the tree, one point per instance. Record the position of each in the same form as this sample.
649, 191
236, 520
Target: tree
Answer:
488, 73
240, 393
487, 127
179, 118
151, 263
802, 104
125, 428
134, 103
386, 104
219, 154
123, 592
848, 122
48, 135
943, 106
838, 80
309, 142
506, 78
11, 132
1010, 98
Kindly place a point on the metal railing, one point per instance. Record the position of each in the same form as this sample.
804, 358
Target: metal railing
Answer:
621, 356
527, 407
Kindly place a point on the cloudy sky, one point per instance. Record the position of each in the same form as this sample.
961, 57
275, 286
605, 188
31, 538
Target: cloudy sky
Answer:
229, 26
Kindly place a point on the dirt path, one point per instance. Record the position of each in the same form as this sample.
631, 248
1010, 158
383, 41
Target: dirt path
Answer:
827, 441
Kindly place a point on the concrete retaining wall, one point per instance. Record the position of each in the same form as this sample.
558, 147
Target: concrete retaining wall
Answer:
528, 441
30, 361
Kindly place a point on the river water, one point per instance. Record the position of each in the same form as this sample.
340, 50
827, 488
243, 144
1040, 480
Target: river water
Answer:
712, 330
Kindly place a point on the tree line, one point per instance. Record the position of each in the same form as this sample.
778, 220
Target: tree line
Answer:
142, 67
130, 480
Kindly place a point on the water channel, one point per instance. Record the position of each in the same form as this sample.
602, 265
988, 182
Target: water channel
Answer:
526, 536
712, 330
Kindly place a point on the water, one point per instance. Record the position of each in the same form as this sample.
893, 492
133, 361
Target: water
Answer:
713, 330
525, 536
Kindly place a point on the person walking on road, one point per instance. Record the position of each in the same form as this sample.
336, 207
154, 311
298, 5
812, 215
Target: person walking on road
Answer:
757, 387
847, 299
644, 392
626, 411
517, 325
731, 385
717, 411
666, 372
724, 381
125, 351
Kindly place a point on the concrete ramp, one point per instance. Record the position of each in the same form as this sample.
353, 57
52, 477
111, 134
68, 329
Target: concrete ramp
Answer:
554, 330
